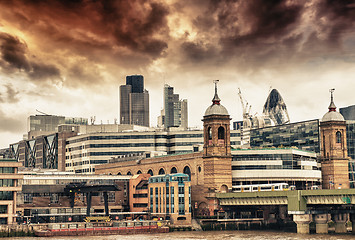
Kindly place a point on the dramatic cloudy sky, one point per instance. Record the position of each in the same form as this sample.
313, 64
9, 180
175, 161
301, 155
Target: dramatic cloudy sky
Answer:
69, 57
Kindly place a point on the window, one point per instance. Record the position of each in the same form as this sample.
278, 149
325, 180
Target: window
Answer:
156, 200
54, 198
172, 199
3, 209
338, 136
173, 170
209, 133
161, 171
221, 133
150, 172
187, 171
27, 198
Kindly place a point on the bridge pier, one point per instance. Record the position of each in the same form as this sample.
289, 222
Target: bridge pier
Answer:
302, 221
340, 222
321, 221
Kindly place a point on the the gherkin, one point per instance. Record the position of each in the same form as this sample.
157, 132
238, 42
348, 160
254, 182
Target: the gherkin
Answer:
275, 108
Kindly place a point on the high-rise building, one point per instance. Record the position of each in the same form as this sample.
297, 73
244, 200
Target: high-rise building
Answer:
134, 102
275, 107
348, 112
38, 125
175, 110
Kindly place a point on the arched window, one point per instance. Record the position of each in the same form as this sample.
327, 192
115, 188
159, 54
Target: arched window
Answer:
150, 171
161, 171
119, 173
221, 133
338, 135
129, 173
187, 171
139, 172
209, 131
173, 170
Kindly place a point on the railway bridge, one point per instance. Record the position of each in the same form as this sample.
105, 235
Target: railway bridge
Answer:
305, 206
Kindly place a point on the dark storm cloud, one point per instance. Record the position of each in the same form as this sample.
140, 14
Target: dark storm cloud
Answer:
266, 33
340, 18
13, 58
133, 24
13, 53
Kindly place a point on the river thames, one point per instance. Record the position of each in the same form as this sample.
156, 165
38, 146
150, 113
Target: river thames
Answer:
208, 235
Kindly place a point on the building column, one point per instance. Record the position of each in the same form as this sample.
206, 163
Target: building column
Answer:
340, 222
302, 221
321, 221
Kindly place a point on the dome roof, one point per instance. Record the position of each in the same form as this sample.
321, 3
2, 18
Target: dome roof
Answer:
332, 116
215, 109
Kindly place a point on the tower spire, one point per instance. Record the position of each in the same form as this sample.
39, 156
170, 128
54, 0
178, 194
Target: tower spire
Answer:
216, 99
332, 107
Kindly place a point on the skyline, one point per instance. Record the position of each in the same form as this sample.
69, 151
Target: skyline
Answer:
69, 58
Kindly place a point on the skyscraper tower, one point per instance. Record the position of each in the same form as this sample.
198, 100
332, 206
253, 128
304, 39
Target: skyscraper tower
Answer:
134, 102
334, 154
275, 108
175, 110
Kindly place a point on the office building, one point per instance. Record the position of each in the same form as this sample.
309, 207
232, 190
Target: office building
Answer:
275, 108
175, 110
44, 151
303, 135
46, 124
138, 193
170, 198
348, 112
134, 102
9, 186
279, 165
350, 139
85, 151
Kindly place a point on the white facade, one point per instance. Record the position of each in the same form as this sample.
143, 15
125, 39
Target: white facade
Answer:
85, 151
258, 166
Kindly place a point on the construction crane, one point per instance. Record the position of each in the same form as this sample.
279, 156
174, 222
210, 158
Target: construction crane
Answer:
42, 113
246, 107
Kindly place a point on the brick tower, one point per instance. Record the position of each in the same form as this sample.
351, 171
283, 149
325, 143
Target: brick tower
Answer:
334, 155
217, 149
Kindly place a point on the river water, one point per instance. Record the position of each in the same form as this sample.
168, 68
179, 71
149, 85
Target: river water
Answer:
207, 235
